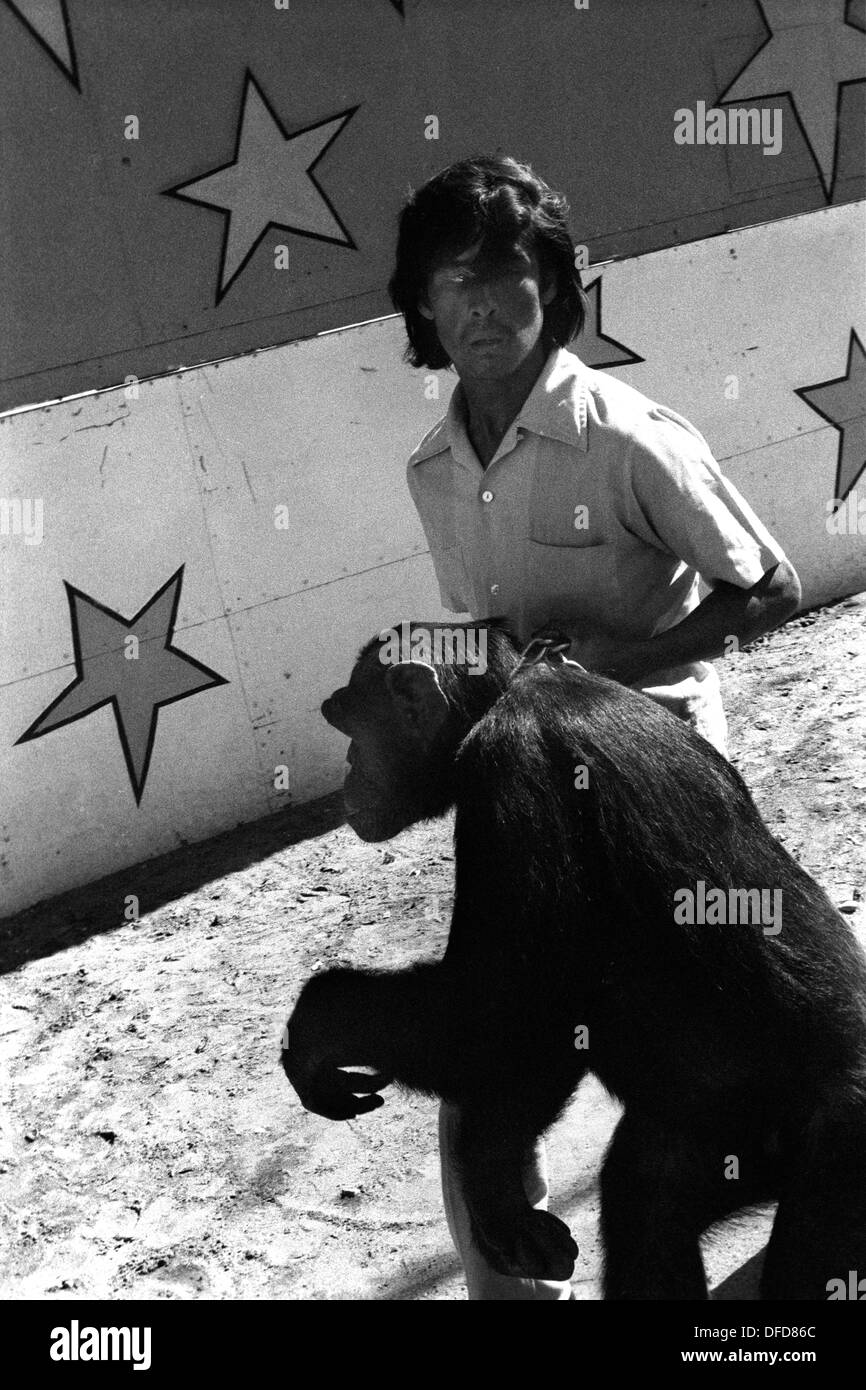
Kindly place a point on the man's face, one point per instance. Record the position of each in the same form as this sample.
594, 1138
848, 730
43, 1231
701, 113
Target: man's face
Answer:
488, 313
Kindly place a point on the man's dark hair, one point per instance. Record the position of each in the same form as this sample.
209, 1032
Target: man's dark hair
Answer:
495, 200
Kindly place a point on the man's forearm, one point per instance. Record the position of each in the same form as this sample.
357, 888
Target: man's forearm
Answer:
728, 612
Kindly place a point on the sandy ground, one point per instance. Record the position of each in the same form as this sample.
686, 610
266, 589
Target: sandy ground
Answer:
150, 1146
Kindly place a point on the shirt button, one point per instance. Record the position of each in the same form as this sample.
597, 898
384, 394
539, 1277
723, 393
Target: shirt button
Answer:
494, 588
487, 496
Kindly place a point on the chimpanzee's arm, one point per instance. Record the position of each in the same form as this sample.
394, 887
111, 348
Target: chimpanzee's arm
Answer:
419, 1027
439, 1028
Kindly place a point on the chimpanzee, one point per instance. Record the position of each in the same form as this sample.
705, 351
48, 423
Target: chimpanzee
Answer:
585, 816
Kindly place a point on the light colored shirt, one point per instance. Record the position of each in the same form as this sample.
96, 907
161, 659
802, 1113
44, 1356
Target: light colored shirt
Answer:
600, 509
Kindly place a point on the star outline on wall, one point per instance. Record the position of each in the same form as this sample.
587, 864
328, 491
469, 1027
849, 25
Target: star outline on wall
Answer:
856, 358
75, 597
591, 333
175, 191
828, 183
70, 70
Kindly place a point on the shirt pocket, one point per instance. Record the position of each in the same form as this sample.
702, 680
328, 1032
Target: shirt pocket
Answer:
574, 581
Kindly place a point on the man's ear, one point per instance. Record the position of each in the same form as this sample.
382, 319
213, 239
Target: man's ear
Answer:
418, 699
548, 289
424, 309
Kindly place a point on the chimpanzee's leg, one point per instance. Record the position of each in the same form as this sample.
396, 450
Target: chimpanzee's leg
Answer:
661, 1187
483, 1282
819, 1234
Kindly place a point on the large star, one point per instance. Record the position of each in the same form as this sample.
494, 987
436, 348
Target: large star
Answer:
596, 348
136, 687
842, 403
48, 22
270, 183
810, 64
855, 13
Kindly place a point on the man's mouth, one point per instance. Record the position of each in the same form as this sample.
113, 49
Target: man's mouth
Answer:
482, 345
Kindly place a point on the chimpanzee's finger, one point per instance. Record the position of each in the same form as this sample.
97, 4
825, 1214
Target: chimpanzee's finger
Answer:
364, 1104
339, 1107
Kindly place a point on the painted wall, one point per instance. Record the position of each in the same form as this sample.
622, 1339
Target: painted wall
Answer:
255, 512
215, 178
162, 151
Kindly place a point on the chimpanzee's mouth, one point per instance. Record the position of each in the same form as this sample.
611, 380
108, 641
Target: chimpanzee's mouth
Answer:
370, 812
360, 797
370, 825
356, 789
361, 789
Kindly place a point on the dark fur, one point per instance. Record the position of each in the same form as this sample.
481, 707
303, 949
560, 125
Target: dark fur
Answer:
719, 1040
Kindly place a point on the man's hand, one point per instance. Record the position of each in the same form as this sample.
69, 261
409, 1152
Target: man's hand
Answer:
557, 632
618, 658
603, 652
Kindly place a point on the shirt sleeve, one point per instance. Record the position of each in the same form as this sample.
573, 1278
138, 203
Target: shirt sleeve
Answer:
681, 502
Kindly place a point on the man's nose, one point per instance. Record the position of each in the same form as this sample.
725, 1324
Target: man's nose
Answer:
481, 298
482, 306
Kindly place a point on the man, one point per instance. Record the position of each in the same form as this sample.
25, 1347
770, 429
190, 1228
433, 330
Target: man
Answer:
560, 498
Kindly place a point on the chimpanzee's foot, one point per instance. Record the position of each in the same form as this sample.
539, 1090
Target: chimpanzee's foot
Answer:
529, 1244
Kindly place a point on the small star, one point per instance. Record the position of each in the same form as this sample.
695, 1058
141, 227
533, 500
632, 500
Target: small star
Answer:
596, 348
48, 22
842, 403
136, 688
808, 63
270, 183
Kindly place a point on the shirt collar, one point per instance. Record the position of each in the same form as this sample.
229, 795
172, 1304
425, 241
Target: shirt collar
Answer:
555, 407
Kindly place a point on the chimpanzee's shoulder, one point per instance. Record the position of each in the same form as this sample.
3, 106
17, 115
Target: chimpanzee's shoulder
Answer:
538, 702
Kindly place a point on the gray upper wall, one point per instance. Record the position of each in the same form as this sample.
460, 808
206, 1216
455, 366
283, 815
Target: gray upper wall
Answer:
104, 274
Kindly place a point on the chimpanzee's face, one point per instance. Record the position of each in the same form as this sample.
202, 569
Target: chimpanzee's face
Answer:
391, 716
488, 312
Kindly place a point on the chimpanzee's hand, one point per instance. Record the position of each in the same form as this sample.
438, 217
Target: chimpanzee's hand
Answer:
327, 1090
527, 1244
315, 1051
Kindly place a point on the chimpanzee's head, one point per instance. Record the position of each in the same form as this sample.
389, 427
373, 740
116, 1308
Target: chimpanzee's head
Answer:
406, 717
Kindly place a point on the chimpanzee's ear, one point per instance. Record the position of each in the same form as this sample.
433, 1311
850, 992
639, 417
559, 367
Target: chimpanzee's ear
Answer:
417, 696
